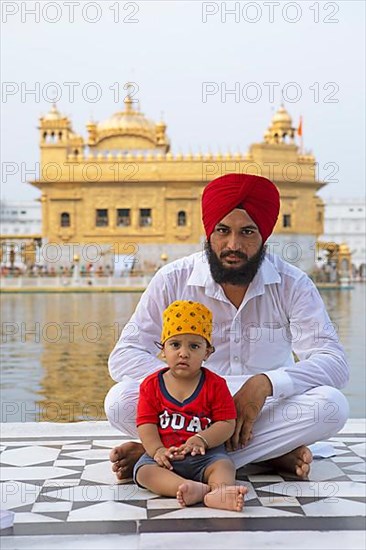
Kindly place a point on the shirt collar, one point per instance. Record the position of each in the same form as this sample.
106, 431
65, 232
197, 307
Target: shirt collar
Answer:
201, 276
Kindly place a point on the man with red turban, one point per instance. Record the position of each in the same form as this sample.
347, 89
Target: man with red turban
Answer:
265, 310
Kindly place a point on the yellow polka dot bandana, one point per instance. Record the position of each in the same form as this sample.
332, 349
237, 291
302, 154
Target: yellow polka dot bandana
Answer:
186, 317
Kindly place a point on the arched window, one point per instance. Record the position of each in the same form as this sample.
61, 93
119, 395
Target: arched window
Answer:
65, 219
181, 218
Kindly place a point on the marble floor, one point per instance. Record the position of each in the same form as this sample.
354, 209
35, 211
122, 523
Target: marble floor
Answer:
56, 478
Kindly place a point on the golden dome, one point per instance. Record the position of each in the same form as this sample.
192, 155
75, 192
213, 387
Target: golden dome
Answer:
127, 130
282, 118
54, 114
129, 121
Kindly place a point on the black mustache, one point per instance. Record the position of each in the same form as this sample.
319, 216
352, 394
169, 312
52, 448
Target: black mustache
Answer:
236, 253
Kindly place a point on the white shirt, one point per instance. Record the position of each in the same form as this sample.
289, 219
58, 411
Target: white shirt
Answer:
281, 313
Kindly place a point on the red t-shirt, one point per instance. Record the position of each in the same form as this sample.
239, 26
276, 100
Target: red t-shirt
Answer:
210, 402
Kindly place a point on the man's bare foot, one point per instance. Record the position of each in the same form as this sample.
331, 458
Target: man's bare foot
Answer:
227, 497
296, 462
124, 458
191, 492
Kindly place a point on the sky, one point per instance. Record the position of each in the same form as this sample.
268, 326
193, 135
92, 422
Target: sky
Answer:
184, 58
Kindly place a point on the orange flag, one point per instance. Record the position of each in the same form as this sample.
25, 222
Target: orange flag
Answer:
299, 129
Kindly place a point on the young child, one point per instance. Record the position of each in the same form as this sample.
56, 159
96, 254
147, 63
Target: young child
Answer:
184, 416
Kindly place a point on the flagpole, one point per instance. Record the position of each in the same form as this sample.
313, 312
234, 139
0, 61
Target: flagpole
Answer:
300, 134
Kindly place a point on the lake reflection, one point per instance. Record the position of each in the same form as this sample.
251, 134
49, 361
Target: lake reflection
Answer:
55, 349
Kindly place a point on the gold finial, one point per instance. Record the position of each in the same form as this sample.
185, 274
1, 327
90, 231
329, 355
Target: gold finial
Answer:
128, 101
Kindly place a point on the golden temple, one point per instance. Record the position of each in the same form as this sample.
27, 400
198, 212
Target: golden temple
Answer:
122, 184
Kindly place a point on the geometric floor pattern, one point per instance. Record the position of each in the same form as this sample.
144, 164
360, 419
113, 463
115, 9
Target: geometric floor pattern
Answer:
58, 482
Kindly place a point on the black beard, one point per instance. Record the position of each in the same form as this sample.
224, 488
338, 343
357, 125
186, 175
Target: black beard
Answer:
240, 276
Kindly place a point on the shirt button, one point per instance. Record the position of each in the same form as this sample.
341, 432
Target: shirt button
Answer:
282, 395
236, 358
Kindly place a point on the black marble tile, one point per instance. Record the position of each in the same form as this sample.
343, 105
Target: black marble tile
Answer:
25, 508
294, 523
7, 532
83, 504
56, 515
76, 528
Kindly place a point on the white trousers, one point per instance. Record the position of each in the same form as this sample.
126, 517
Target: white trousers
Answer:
282, 425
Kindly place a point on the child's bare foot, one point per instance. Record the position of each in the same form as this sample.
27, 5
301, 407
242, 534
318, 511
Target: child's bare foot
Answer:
191, 492
296, 462
124, 458
226, 497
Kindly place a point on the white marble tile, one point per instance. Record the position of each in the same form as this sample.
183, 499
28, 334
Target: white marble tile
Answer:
344, 440
15, 494
61, 482
360, 478
353, 425
277, 500
163, 504
34, 472
98, 493
108, 511
317, 489
61, 506
91, 454
359, 449
68, 463
340, 507
342, 451
76, 447
199, 512
101, 472
37, 442
352, 458
203, 512
54, 430
29, 456
29, 517
70, 542
253, 540
273, 540
336, 442
110, 443
361, 468
324, 469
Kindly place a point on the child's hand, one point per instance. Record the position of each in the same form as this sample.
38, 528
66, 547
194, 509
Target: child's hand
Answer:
162, 456
177, 454
194, 445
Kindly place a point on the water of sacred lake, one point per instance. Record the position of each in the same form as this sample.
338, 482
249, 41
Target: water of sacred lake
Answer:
55, 349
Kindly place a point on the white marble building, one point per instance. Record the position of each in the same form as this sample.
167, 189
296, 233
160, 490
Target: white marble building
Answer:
20, 219
344, 222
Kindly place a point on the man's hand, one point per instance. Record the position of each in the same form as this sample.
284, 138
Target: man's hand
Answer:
249, 401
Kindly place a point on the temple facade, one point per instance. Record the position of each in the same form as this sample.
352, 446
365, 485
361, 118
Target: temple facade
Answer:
122, 189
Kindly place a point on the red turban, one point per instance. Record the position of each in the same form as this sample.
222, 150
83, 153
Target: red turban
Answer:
258, 196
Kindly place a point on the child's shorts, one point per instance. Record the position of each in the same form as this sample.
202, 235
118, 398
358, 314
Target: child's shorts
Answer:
192, 467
